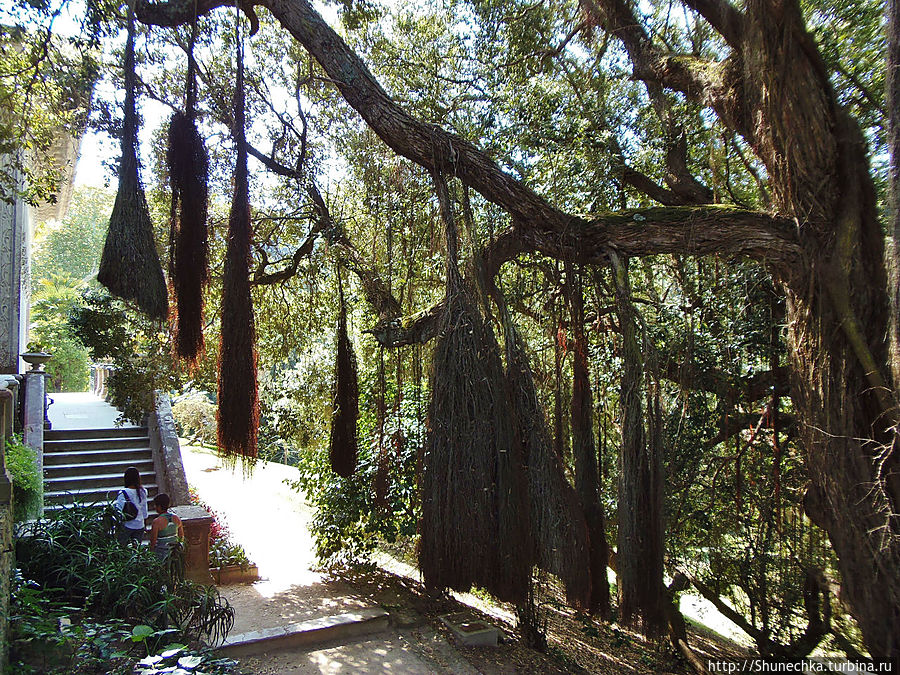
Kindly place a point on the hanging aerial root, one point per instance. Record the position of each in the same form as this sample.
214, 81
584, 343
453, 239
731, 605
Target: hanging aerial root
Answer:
129, 265
474, 492
343, 450
189, 250
238, 414
558, 523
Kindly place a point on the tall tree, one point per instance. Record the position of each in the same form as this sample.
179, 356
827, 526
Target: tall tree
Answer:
769, 87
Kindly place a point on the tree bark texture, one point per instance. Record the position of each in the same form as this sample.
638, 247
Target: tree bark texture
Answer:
640, 540
893, 121
837, 310
584, 450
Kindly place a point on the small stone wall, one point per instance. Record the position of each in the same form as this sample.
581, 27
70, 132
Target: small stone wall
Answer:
7, 563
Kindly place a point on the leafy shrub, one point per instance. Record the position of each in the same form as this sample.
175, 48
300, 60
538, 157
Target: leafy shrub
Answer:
51, 638
28, 485
353, 516
75, 551
195, 418
139, 349
225, 552
51, 302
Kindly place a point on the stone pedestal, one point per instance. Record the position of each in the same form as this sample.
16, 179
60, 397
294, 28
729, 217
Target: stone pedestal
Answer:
33, 413
196, 521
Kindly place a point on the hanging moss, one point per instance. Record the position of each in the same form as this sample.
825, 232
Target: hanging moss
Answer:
129, 266
238, 415
342, 446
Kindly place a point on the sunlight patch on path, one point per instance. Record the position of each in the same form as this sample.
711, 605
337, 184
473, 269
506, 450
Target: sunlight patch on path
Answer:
269, 519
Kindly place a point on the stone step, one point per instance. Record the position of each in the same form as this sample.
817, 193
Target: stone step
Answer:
335, 628
90, 495
116, 432
144, 465
103, 480
97, 456
68, 445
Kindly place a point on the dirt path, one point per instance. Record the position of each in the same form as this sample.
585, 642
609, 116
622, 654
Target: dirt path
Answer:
271, 521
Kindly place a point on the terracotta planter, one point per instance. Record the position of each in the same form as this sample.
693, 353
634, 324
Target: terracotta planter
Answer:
234, 574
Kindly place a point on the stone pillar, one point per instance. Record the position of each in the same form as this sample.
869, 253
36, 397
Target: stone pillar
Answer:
15, 233
196, 521
33, 414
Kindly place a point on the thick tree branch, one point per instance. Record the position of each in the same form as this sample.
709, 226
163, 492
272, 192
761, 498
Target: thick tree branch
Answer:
417, 328
543, 227
738, 423
751, 388
687, 230
706, 230
263, 278
710, 83
722, 16
678, 177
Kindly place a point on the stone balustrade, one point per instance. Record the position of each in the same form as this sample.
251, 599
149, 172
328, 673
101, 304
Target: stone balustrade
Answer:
100, 373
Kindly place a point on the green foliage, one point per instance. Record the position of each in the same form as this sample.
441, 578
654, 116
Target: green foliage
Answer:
138, 348
45, 85
49, 637
71, 248
195, 418
75, 552
224, 552
28, 484
352, 518
53, 300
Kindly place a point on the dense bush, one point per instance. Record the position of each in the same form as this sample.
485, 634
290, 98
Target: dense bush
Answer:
53, 299
138, 347
75, 552
48, 637
195, 417
379, 502
22, 464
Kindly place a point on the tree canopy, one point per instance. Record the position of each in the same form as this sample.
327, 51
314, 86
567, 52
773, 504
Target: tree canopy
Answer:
678, 211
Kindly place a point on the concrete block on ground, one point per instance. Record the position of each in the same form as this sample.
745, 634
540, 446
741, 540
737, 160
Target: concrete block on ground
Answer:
471, 632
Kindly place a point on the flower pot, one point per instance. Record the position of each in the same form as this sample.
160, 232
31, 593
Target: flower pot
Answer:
234, 574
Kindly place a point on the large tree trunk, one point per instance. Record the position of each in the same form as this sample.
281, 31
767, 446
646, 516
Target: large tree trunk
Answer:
640, 540
837, 311
584, 450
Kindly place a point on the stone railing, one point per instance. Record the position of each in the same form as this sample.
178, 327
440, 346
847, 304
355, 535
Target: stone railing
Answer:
99, 377
171, 477
167, 452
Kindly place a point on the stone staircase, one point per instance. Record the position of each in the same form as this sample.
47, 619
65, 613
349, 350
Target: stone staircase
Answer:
87, 465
